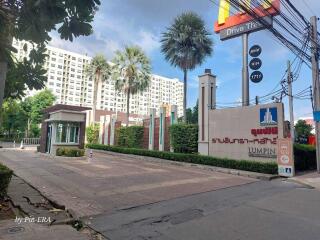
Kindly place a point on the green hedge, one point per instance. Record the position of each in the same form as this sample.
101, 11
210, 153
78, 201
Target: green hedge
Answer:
130, 137
184, 138
92, 133
260, 167
70, 152
5, 177
305, 157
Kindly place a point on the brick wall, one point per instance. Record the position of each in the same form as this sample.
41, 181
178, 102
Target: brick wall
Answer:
146, 123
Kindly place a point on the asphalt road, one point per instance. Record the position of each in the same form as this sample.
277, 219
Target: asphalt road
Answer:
126, 197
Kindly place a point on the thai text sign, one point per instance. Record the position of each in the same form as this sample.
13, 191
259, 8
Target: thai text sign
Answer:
246, 133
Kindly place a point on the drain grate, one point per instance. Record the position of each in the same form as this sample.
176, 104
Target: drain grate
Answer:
14, 230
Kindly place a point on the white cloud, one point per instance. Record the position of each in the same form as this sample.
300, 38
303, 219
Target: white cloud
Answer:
147, 41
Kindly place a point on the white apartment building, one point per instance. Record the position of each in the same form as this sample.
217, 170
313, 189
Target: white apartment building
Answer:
67, 81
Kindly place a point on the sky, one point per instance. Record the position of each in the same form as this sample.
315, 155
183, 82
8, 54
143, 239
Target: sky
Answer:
140, 22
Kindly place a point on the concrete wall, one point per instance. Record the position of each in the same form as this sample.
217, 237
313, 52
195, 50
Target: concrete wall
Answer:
238, 133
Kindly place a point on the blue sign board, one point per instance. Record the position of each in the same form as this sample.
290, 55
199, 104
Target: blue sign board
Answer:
316, 116
268, 116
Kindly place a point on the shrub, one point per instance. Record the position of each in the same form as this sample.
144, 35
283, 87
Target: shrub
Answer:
184, 138
70, 152
130, 137
5, 177
93, 133
260, 167
305, 157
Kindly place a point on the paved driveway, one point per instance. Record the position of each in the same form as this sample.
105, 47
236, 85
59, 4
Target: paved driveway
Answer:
112, 181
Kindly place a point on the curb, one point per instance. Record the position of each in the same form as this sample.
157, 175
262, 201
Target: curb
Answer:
294, 180
259, 176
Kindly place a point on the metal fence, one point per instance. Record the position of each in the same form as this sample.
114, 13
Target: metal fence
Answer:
31, 141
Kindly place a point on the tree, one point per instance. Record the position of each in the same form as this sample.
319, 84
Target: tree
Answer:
33, 20
99, 70
302, 129
13, 120
34, 106
192, 114
39, 102
186, 44
93, 133
131, 73
28, 73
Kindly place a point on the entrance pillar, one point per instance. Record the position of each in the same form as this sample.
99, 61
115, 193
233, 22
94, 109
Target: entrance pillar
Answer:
207, 102
112, 128
151, 128
173, 119
162, 120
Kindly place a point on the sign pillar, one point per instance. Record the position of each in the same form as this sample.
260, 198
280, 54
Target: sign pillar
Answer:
151, 128
101, 128
112, 129
245, 70
285, 158
173, 119
207, 102
162, 120
106, 129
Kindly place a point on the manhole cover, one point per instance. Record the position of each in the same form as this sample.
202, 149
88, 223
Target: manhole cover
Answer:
14, 230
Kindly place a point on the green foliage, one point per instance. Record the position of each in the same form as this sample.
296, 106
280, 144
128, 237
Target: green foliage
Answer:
260, 167
39, 102
93, 133
186, 44
19, 117
184, 138
70, 152
13, 119
302, 129
32, 21
192, 114
99, 70
305, 157
5, 177
131, 72
23, 75
131, 137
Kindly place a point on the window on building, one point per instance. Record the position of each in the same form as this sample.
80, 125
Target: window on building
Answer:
67, 132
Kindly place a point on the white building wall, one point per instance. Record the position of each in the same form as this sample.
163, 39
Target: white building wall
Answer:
67, 81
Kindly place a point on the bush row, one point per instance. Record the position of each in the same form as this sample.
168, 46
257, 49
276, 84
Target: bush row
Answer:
305, 157
184, 138
131, 137
5, 177
70, 152
260, 167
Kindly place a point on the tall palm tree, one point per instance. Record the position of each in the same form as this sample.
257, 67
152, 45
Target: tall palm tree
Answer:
186, 44
131, 72
100, 70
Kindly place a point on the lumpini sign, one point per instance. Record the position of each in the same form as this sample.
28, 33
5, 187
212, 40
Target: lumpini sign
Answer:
244, 133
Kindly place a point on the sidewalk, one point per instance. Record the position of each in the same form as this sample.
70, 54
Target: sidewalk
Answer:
311, 179
9, 230
36, 217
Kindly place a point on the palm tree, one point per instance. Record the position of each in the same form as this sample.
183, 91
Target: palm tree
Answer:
99, 70
186, 44
131, 73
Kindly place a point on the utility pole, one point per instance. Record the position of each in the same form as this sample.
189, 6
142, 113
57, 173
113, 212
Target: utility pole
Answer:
315, 81
291, 103
245, 70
